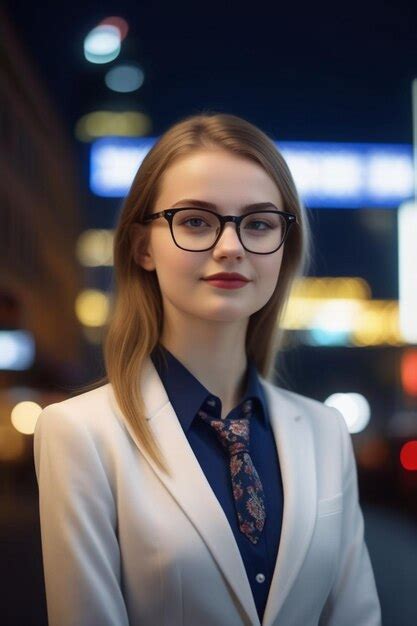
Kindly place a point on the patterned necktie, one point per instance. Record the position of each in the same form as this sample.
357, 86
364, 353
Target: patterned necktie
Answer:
247, 488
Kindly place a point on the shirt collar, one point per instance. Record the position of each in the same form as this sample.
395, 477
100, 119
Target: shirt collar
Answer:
187, 394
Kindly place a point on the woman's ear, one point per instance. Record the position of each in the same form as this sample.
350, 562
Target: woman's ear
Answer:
140, 251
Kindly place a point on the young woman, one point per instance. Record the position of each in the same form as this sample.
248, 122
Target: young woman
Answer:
189, 489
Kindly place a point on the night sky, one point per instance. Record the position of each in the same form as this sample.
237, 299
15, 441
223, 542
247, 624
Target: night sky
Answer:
319, 72
307, 71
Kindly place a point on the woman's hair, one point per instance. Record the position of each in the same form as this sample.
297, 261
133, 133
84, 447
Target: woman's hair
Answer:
136, 320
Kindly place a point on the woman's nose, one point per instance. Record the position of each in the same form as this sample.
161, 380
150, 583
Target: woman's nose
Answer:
229, 237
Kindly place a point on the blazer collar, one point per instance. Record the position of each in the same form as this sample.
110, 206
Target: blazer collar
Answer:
193, 493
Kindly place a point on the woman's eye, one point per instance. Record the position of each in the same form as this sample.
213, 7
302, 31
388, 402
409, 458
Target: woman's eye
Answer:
193, 219
259, 222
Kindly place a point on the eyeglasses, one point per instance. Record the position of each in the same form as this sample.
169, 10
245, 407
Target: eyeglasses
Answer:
198, 230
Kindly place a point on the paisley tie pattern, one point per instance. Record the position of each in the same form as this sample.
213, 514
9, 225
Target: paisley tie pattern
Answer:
234, 435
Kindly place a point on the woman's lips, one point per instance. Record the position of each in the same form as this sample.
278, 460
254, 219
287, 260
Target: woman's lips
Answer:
226, 284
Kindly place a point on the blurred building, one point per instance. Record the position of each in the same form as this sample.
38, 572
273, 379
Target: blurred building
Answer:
39, 220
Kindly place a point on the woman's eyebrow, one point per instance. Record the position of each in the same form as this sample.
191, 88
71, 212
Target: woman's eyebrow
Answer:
203, 204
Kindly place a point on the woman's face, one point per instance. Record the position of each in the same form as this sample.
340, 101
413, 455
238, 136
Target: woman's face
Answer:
229, 182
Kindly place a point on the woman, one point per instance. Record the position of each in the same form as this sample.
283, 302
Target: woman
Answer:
189, 489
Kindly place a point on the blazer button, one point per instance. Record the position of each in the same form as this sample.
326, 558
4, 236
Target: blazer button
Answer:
260, 578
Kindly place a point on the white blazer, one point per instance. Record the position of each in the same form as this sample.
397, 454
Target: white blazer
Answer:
123, 544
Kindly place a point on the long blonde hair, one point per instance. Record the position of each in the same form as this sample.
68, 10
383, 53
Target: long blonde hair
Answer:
136, 320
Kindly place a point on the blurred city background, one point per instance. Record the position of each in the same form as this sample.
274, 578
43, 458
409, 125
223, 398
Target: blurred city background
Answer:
85, 89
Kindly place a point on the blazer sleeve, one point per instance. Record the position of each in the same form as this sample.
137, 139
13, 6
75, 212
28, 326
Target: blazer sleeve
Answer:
80, 550
353, 598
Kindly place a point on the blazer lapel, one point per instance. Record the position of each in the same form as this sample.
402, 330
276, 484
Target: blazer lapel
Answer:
193, 493
190, 488
295, 445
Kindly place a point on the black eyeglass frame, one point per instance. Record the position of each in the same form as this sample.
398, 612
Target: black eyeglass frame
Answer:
168, 214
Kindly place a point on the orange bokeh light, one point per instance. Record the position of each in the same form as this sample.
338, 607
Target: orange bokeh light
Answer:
409, 371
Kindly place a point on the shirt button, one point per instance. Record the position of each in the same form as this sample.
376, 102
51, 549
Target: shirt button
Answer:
260, 578
211, 402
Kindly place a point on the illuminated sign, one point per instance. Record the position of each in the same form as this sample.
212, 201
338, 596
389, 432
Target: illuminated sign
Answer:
327, 175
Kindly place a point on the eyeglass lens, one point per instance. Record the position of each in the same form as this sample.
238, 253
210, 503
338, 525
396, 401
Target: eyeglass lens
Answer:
196, 229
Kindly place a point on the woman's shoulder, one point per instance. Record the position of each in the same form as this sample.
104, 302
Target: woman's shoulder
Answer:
326, 422
91, 409
79, 434
301, 403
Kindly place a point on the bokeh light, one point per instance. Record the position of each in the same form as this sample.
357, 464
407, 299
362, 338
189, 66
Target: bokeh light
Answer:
25, 415
124, 78
119, 23
92, 307
354, 407
112, 124
408, 455
95, 248
102, 44
409, 371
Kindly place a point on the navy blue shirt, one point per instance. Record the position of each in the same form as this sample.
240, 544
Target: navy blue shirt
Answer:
187, 395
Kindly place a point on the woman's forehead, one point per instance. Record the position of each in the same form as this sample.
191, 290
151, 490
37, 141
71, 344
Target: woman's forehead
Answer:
217, 178
214, 162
